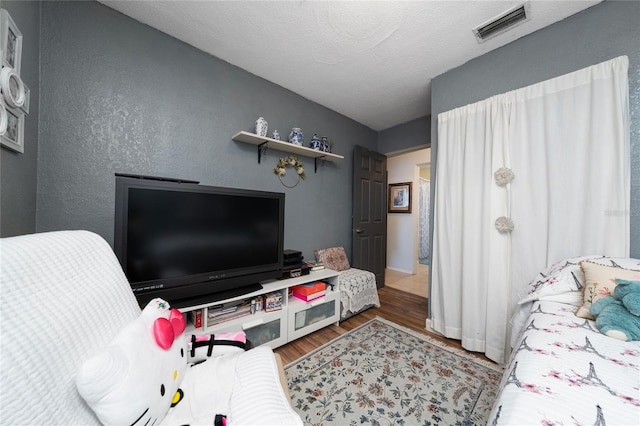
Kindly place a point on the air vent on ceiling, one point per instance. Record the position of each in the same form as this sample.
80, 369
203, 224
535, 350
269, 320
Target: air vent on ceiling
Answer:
502, 22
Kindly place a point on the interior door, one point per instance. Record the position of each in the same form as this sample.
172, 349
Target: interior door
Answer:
369, 224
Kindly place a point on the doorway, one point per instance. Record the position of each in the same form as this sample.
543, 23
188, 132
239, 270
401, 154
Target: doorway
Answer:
369, 218
404, 269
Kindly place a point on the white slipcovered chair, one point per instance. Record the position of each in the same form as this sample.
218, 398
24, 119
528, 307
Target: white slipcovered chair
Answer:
64, 298
358, 290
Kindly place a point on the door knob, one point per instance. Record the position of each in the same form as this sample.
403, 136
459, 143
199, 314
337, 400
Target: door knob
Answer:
359, 231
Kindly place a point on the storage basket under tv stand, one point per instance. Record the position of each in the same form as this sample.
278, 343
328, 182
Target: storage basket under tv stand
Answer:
297, 318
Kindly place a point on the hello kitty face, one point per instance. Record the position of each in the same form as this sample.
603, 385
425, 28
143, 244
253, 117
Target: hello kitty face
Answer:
137, 378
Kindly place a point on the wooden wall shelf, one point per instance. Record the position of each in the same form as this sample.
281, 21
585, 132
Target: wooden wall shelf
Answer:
263, 142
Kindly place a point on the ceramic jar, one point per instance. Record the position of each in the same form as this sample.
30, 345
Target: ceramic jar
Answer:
275, 135
315, 142
261, 127
296, 137
325, 145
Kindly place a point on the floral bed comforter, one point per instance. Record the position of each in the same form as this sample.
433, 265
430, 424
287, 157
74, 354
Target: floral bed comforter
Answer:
563, 371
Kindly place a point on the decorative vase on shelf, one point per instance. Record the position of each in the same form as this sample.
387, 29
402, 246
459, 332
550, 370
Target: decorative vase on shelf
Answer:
315, 142
275, 135
261, 127
296, 137
325, 145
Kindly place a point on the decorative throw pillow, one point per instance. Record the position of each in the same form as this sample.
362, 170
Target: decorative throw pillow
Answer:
600, 281
333, 258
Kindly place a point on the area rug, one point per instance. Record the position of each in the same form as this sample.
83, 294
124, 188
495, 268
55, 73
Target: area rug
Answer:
383, 374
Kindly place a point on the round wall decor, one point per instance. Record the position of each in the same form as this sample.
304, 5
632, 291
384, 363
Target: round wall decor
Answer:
289, 162
12, 87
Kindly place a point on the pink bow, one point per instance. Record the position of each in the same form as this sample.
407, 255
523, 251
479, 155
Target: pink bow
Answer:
166, 330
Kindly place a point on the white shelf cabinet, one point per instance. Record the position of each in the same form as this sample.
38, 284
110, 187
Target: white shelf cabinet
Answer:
263, 142
297, 318
307, 317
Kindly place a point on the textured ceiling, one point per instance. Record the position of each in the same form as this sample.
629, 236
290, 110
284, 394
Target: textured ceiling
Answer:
372, 61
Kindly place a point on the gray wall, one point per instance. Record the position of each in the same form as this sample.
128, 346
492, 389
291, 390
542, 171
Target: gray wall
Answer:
602, 32
414, 134
18, 172
119, 96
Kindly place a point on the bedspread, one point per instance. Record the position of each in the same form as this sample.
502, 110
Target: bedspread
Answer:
564, 372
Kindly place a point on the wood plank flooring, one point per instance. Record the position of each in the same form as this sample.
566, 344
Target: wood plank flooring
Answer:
406, 309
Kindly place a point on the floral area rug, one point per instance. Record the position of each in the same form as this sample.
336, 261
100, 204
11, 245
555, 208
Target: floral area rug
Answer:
384, 374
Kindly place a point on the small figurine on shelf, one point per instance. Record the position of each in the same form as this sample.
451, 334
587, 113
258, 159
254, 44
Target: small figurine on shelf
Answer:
325, 145
275, 135
261, 127
315, 142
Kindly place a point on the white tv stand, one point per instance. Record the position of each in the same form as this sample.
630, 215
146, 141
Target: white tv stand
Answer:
296, 318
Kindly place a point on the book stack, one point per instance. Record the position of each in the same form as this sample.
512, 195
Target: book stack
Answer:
315, 266
310, 291
228, 311
196, 318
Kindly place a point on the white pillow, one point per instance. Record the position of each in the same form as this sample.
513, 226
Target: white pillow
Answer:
570, 298
566, 276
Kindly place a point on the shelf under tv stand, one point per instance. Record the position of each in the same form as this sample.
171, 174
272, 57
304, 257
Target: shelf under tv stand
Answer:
296, 318
216, 298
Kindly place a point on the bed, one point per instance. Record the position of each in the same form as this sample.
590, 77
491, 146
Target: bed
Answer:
562, 370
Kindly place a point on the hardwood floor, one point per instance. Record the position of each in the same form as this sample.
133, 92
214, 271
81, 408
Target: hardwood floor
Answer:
406, 309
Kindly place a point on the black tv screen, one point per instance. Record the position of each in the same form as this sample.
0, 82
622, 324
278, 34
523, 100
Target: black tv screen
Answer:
192, 244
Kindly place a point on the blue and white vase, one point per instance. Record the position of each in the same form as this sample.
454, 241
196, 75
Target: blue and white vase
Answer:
325, 145
315, 142
275, 135
261, 127
296, 137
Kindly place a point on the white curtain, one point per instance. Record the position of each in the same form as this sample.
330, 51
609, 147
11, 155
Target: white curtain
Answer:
567, 142
423, 220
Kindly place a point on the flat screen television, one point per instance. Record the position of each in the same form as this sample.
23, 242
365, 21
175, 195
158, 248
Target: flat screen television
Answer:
193, 244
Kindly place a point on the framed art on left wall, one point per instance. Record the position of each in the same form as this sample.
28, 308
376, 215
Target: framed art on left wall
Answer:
13, 136
10, 42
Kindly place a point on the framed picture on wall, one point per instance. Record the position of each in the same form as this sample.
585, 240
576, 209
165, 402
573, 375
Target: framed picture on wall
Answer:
13, 136
10, 42
400, 197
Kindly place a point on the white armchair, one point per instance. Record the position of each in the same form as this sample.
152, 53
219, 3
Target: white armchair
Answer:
358, 289
64, 298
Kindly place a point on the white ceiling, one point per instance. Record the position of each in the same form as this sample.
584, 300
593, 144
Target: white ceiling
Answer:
372, 61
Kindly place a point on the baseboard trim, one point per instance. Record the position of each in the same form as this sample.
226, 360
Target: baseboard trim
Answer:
427, 325
401, 270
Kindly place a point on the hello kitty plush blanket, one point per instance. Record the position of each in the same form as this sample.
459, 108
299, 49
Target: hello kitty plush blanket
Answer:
149, 375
